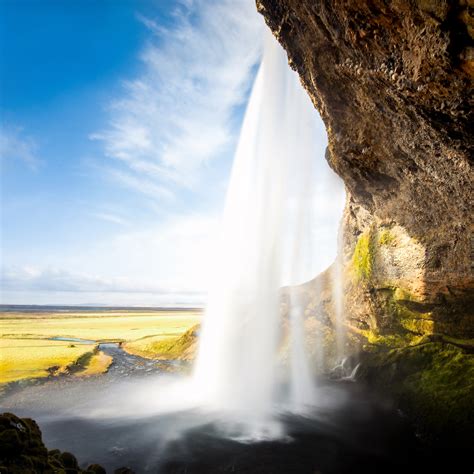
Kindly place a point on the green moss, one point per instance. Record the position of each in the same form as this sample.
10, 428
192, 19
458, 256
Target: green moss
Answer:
391, 341
363, 258
386, 237
433, 382
420, 326
400, 294
402, 323
467, 343
409, 320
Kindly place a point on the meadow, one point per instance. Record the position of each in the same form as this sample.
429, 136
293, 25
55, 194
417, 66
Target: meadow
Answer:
34, 345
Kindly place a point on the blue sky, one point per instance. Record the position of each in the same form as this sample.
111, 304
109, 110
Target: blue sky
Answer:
119, 120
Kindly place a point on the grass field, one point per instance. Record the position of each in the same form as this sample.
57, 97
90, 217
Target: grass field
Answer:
31, 358
181, 347
27, 351
96, 363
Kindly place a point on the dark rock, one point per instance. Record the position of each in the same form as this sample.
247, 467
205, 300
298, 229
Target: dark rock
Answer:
96, 469
68, 460
22, 450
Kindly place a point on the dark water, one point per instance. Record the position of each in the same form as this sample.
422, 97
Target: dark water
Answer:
349, 431
361, 436
357, 434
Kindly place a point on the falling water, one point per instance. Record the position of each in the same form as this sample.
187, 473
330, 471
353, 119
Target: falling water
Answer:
281, 207
264, 227
337, 286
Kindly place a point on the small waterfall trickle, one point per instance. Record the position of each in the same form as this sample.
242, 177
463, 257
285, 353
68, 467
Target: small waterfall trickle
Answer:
337, 290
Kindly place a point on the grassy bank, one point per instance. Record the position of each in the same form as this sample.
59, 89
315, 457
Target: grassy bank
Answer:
32, 358
28, 351
181, 347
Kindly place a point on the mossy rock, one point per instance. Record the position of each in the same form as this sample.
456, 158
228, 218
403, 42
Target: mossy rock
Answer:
68, 460
433, 383
386, 237
95, 469
363, 257
22, 450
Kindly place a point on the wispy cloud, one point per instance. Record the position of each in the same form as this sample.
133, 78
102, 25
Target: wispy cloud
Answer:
16, 145
141, 184
177, 115
172, 257
108, 217
57, 279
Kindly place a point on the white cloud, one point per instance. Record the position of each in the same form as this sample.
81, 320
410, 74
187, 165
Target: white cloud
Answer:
16, 145
141, 184
177, 115
108, 217
57, 279
175, 253
57, 286
166, 263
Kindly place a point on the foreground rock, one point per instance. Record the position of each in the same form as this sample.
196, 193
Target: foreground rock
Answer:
392, 82
22, 451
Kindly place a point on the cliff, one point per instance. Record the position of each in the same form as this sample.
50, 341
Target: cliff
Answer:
393, 84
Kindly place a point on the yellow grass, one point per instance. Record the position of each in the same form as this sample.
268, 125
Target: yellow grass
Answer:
98, 327
30, 358
181, 347
26, 352
97, 364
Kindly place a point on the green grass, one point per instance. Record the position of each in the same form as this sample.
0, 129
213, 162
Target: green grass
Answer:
32, 358
125, 326
26, 350
97, 364
170, 348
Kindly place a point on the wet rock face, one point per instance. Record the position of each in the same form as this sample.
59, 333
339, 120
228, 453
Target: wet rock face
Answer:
392, 82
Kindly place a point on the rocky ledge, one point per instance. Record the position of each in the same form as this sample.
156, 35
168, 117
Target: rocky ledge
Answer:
22, 451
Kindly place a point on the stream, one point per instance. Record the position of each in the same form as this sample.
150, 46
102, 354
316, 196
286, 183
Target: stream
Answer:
129, 365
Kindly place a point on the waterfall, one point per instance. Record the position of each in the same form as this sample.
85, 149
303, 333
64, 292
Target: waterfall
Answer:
277, 233
265, 226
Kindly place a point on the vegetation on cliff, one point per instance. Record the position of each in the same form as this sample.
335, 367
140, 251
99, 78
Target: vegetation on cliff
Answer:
434, 384
363, 258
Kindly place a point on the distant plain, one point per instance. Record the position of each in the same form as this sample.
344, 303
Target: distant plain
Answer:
35, 344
